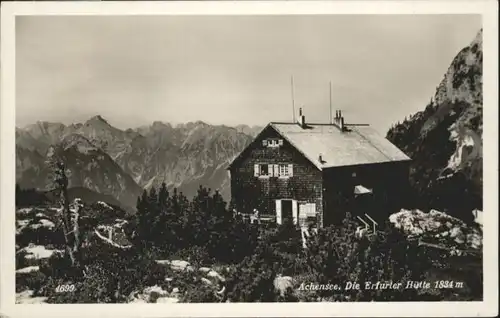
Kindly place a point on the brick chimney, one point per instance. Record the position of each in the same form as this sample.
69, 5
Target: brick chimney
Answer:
302, 119
341, 121
338, 120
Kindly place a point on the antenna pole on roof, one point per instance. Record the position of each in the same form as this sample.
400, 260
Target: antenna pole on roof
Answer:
330, 119
293, 100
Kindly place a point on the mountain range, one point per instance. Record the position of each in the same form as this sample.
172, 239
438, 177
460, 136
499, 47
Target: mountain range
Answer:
121, 163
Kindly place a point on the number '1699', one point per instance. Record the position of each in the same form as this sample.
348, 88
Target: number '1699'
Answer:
65, 288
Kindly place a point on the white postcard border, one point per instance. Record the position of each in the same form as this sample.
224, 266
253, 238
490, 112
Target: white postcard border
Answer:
488, 10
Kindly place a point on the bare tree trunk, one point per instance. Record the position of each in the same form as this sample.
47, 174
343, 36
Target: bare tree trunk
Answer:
66, 223
70, 224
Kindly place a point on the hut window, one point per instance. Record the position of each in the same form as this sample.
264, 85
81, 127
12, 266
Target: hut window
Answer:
283, 170
264, 170
261, 170
270, 170
273, 143
307, 210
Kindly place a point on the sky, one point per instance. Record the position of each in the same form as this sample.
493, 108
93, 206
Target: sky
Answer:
133, 70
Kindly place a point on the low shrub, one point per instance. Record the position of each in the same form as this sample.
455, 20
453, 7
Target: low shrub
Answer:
196, 256
32, 281
199, 293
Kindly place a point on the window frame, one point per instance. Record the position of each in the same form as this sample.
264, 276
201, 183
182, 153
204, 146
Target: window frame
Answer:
261, 165
273, 142
308, 209
283, 171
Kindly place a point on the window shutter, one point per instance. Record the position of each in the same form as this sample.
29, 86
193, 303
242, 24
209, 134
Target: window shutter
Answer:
276, 170
290, 170
270, 170
294, 212
302, 211
264, 142
311, 209
255, 170
281, 142
278, 211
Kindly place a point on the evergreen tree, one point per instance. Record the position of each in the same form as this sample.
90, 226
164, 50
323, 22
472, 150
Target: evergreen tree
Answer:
177, 223
155, 218
139, 202
143, 220
199, 217
163, 197
153, 199
163, 219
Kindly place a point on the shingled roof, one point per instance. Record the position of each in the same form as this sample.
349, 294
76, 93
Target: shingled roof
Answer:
356, 146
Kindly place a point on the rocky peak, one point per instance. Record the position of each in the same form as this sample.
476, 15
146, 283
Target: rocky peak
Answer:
45, 128
445, 139
160, 125
463, 79
97, 120
81, 143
